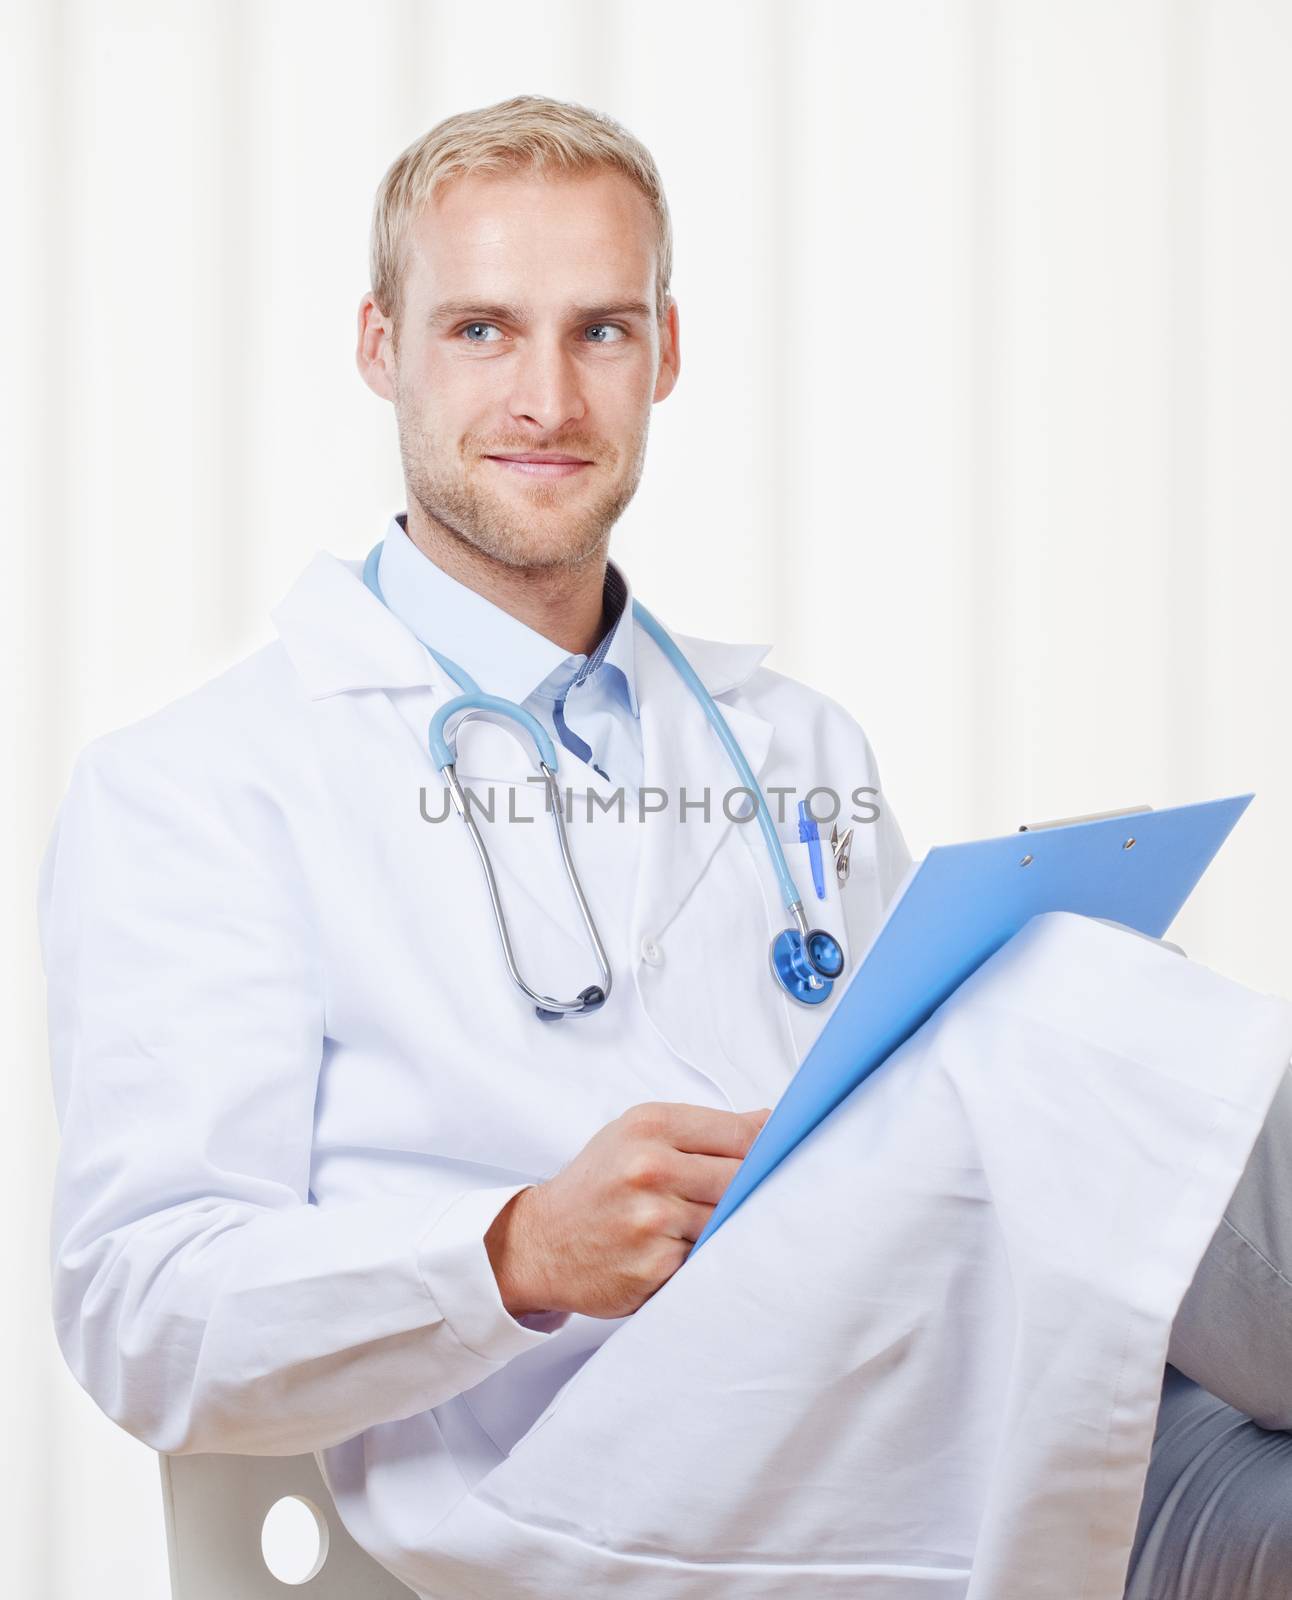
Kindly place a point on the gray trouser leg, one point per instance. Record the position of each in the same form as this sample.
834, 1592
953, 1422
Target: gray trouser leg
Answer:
1233, 1332
1216, 1521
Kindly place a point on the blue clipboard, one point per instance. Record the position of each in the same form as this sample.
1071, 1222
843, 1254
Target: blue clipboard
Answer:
957, 908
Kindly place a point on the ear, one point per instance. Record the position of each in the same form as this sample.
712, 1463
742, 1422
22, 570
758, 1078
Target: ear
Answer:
375, 355
670, 353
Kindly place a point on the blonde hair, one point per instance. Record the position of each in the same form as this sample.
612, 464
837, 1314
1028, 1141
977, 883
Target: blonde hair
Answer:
527, 133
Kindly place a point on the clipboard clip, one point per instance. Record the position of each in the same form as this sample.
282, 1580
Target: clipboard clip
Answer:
1095, 816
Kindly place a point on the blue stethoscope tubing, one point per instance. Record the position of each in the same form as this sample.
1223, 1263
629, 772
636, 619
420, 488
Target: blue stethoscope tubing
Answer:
805, 961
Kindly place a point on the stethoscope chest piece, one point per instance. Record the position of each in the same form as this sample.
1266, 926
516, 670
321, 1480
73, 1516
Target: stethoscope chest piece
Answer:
806, 964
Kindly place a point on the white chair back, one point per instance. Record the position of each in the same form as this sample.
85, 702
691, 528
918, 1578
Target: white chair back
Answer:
216, 1507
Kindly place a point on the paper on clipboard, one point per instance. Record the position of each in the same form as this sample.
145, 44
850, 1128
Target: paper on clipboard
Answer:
956, 908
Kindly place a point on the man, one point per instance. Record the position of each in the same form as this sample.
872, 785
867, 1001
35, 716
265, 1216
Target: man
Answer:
326, 1182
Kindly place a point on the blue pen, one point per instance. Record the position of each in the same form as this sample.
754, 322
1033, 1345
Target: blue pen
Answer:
810, 835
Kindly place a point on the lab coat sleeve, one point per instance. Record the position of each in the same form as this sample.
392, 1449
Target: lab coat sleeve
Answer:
200, 1296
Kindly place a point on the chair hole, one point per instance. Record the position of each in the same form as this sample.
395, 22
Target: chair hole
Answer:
293, 1539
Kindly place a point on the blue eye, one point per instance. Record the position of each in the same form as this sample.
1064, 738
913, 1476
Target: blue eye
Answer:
611, 332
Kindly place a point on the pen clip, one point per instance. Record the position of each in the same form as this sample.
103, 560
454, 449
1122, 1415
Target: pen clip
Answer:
842, 847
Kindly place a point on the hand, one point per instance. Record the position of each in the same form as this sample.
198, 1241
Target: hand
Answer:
619, 1220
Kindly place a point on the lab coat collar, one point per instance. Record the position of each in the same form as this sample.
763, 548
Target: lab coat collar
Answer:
341, 638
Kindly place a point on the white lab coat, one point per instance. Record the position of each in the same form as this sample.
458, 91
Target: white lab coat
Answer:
923, 1360
295, 1086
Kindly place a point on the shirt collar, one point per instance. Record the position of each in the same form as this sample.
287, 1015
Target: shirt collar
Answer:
503, 654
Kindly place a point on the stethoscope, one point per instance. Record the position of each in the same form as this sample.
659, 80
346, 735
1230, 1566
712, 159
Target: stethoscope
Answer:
805, 961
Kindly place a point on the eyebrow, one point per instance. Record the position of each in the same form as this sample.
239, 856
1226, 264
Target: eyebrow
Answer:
453, 310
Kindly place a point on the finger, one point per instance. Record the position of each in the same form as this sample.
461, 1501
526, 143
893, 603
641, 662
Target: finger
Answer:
691, 1220
704, 1178
702, 1130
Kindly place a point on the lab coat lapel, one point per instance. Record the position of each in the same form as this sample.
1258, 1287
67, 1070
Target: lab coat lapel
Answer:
341, 639
683, 758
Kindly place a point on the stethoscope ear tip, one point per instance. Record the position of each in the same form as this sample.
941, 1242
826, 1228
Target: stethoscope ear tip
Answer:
592, 999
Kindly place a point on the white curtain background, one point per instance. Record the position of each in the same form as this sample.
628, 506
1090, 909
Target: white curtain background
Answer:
984, 419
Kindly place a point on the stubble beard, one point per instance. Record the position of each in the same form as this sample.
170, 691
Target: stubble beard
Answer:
447, 488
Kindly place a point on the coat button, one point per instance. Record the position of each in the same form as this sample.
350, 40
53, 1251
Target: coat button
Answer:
651, 952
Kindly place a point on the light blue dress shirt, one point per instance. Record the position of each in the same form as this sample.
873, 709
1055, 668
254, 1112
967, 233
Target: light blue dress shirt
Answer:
587, 703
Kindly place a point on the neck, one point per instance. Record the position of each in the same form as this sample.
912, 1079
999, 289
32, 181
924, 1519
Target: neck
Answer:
562, 603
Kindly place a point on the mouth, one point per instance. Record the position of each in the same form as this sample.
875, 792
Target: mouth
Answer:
536, 465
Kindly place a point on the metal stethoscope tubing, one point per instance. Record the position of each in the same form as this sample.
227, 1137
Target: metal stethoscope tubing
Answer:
805, 961
546, 1007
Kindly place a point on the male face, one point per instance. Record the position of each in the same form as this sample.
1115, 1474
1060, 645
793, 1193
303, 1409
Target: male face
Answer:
528, 328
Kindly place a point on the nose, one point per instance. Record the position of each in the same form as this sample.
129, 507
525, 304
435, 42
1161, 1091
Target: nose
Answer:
546, 390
